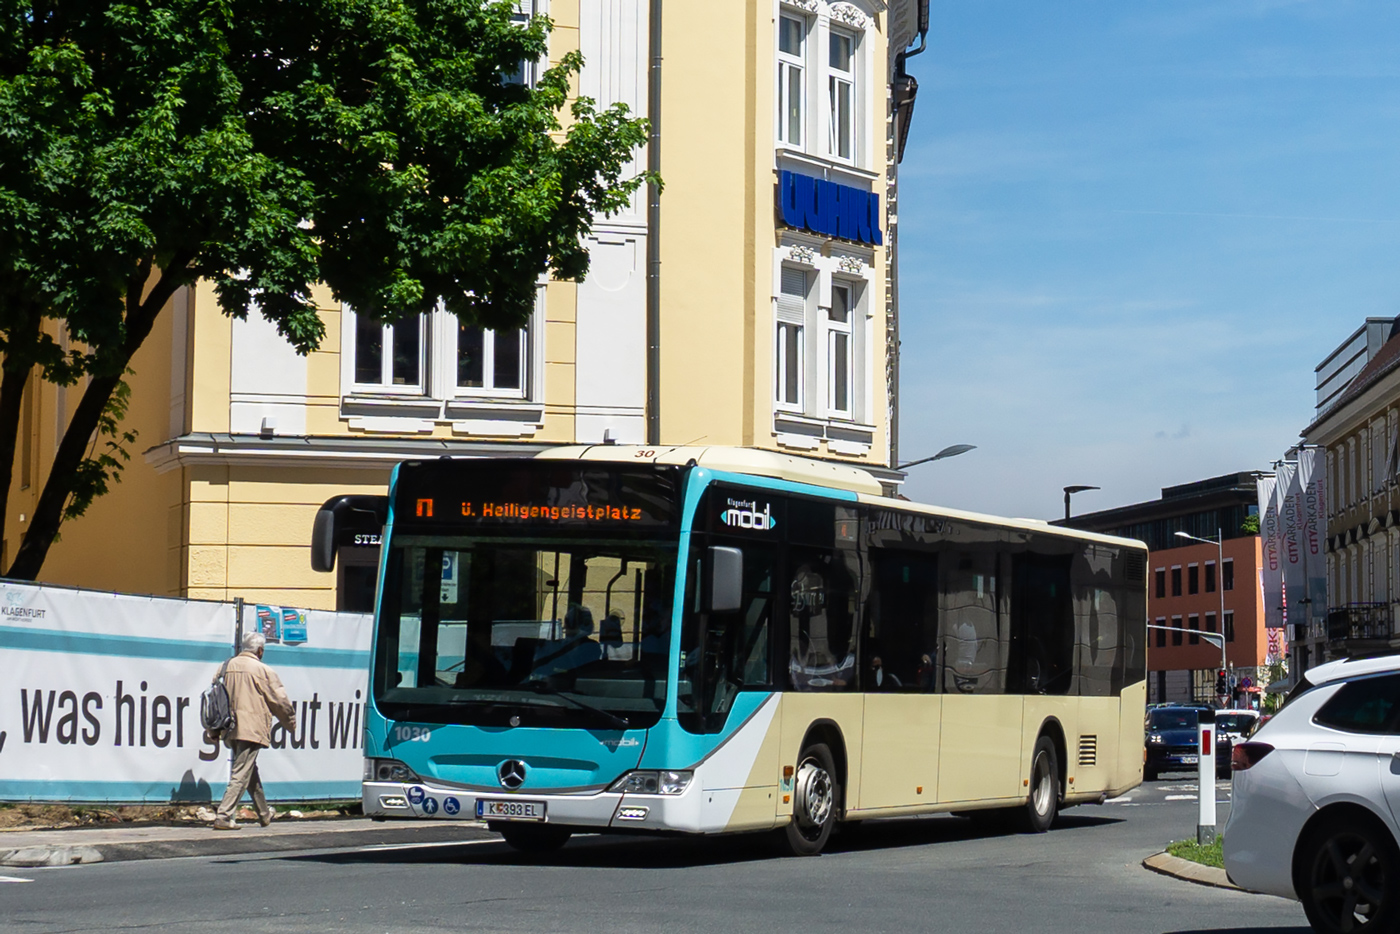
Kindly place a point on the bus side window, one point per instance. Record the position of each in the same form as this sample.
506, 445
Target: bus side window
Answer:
821, 593
901, 649
974, 640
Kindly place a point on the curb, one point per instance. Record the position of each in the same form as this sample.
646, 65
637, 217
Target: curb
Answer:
1186, 870
234, 844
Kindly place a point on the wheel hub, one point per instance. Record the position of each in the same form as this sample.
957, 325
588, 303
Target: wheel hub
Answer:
814, 794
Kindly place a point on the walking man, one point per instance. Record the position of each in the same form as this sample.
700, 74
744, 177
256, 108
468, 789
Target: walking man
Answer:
255, 695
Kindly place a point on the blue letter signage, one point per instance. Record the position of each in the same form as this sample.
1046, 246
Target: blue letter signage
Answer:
828, 208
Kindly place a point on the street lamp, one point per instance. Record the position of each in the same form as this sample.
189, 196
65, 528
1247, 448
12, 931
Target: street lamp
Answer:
1074, 489
1219, 543
952, 450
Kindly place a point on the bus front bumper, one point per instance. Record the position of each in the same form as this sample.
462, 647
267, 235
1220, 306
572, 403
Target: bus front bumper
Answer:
602, 809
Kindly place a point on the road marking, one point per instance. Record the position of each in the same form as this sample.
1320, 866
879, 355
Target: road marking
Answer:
1124, 799
1181, 797
381, 847
13, 879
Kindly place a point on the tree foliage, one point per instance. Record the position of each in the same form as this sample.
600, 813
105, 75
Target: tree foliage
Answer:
382, 147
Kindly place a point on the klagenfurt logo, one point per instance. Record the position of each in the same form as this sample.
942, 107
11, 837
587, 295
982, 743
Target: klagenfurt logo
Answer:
744, 514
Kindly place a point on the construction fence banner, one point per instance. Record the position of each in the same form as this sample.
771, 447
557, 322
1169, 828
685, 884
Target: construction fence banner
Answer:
100, 699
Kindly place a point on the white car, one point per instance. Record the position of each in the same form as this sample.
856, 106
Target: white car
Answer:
1315, 804
1235, 725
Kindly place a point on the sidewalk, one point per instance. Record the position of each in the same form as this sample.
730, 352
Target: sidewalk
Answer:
154, 841
1184, 869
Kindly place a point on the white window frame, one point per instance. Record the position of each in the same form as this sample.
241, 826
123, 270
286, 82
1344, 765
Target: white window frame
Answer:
791, 312
488, 389
386, 383
528, 74
792, 66
836, 80
833, 331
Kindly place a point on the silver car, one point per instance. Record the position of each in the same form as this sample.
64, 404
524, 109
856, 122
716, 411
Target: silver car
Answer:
1315, 804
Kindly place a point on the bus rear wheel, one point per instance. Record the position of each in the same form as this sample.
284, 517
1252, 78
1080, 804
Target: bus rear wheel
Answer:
816, 798
1043, 802
535, 839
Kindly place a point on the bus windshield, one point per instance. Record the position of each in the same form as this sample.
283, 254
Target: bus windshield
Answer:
525, 631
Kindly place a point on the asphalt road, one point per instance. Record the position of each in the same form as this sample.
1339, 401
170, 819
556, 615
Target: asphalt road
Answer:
928, 875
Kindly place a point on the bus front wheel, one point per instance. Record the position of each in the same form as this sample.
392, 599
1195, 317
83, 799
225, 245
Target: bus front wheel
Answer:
1043, 802
535, 839
816, 799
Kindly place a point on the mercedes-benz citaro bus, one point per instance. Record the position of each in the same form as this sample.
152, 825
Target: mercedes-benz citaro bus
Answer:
715, 640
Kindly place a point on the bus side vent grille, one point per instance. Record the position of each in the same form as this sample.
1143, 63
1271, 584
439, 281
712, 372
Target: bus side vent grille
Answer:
1088, 750
1135, 568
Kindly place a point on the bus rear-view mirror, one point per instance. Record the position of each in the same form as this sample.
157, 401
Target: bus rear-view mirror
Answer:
726, 579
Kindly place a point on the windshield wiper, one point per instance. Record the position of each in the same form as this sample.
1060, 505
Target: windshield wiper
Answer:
540, 687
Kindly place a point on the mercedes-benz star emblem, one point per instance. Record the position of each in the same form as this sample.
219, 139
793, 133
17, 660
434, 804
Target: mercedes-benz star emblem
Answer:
511, 774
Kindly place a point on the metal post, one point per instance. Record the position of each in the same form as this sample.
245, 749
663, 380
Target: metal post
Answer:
1220, 589
1205, 771
238, 625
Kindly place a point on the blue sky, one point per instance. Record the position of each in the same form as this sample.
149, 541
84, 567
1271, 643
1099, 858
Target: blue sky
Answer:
1130, 231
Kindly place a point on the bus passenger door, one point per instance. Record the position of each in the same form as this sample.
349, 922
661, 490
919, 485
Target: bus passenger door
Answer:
899, 758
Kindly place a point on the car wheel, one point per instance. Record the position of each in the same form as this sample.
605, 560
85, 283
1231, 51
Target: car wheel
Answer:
1043, 802
816, 798
535, 839
1350, 879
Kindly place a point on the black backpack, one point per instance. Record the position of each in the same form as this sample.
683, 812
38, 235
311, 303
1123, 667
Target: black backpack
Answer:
215, 711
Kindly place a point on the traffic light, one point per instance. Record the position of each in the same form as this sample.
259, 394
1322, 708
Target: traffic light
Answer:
1222, 685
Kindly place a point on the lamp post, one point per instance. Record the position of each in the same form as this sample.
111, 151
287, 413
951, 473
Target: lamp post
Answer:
952, 450
1069, 490
1219, 544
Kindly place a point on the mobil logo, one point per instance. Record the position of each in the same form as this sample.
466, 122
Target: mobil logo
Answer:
745, 514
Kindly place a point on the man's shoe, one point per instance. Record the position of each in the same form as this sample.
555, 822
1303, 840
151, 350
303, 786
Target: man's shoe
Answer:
225, 825
266, 819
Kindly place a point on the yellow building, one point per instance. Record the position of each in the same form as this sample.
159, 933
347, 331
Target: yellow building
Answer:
753, 303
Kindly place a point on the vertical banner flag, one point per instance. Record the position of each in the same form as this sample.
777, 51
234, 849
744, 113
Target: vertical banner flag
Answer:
1271, 571
1292, 555
1312, 476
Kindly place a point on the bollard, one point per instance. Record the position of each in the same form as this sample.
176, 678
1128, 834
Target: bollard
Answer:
1205, 766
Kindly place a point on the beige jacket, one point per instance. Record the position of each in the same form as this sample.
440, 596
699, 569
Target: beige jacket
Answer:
256, 695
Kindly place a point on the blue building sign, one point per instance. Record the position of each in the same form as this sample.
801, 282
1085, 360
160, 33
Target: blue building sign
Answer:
828, 208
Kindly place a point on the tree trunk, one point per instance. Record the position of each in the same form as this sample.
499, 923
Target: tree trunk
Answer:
48, 513
14, 376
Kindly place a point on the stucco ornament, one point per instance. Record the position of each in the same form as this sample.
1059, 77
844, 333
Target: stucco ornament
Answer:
850, 14
807, 6
800, 253
851, 264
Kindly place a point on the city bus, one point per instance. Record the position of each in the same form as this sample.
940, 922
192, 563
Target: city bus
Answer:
712, 640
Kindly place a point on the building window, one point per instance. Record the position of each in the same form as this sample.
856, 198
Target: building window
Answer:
1210, 577
389, 356
1227, 574
792, 80
490, 362
1210, 622
1162, 632
839, 351
1176, 630
1193, 579
1160, 576
1176, 581
791, 339
1229, 625
1193, 623
841, 77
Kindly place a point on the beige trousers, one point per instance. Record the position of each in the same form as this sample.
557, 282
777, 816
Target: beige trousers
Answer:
243, 776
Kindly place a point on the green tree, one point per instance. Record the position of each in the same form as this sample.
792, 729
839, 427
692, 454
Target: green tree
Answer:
382, 147
1250, 525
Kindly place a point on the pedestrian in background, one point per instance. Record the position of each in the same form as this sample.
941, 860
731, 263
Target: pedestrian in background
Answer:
256, 696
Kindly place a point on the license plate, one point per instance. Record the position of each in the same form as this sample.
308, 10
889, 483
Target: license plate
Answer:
1189, 760
509, 810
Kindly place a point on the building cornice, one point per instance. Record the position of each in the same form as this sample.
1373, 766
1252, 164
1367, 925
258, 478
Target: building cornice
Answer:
207, 449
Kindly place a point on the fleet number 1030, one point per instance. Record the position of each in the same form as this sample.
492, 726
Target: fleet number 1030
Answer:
411, 734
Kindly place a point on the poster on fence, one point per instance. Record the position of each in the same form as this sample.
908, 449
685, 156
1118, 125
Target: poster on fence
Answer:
100, 699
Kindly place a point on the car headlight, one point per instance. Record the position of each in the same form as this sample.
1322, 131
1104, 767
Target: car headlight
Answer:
389, 770
1154, 738
646, 782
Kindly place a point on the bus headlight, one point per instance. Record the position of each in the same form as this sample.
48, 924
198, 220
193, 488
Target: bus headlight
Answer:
653, 783
389, 770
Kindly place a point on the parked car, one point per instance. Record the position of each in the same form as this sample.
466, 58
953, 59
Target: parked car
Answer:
1315, 804
1236, 725
1171, 743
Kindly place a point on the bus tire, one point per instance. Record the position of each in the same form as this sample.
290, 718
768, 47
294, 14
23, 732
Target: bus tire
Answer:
535, 839
1043, 802
816, 800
